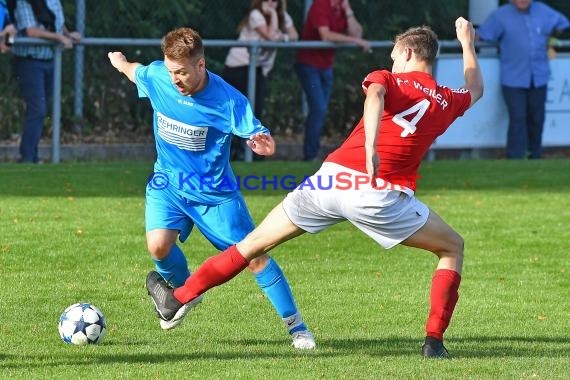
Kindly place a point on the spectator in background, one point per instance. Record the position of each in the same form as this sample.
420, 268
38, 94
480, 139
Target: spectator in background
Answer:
266, 20
34, 64
522, 29
7, 30
331, 21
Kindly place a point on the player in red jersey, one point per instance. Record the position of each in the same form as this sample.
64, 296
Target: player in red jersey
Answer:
373, 177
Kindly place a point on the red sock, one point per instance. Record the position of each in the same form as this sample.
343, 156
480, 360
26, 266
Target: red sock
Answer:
213, 272
443, 298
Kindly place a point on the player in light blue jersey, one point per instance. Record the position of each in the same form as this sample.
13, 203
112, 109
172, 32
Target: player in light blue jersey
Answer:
195, 115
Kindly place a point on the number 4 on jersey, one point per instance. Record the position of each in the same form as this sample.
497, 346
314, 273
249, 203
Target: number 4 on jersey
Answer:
410, 126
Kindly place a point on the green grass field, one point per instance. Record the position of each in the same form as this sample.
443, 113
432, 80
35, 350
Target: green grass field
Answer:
75, 232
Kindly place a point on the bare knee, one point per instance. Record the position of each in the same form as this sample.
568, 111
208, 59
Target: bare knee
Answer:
450, 253
459, 246
158, 248
257, 264
453, 247
160, 241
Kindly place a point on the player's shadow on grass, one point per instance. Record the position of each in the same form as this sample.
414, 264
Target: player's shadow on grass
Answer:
476, 347
76, 358
343, 346
509, 346
460, 348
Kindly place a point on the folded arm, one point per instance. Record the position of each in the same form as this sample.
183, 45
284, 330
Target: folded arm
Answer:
67, 42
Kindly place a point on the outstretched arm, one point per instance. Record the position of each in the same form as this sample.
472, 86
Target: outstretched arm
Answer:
119, 61
373, 108
471, 70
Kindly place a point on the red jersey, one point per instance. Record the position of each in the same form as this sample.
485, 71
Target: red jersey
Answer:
416, 111
321, 13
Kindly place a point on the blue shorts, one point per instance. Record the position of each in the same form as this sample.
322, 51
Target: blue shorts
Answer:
223, 224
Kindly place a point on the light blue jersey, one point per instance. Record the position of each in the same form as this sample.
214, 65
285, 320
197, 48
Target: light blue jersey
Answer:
193, 136
193, 133
3, 15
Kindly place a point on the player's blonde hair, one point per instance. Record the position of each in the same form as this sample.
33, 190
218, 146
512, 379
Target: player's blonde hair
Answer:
423, 42
182, 43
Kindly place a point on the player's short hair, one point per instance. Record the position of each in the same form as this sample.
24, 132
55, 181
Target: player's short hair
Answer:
182, 43
423, 42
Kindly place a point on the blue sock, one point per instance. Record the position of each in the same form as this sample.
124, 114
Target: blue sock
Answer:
272, 281
173, 268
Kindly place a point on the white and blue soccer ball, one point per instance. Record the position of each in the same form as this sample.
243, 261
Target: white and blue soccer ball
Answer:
82, 323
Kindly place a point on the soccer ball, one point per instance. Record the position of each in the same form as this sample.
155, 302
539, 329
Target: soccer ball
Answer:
82, 323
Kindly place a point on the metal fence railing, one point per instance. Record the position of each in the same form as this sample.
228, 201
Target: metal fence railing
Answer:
253, 47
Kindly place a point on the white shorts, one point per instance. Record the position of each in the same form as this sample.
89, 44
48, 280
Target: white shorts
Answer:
336, 193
